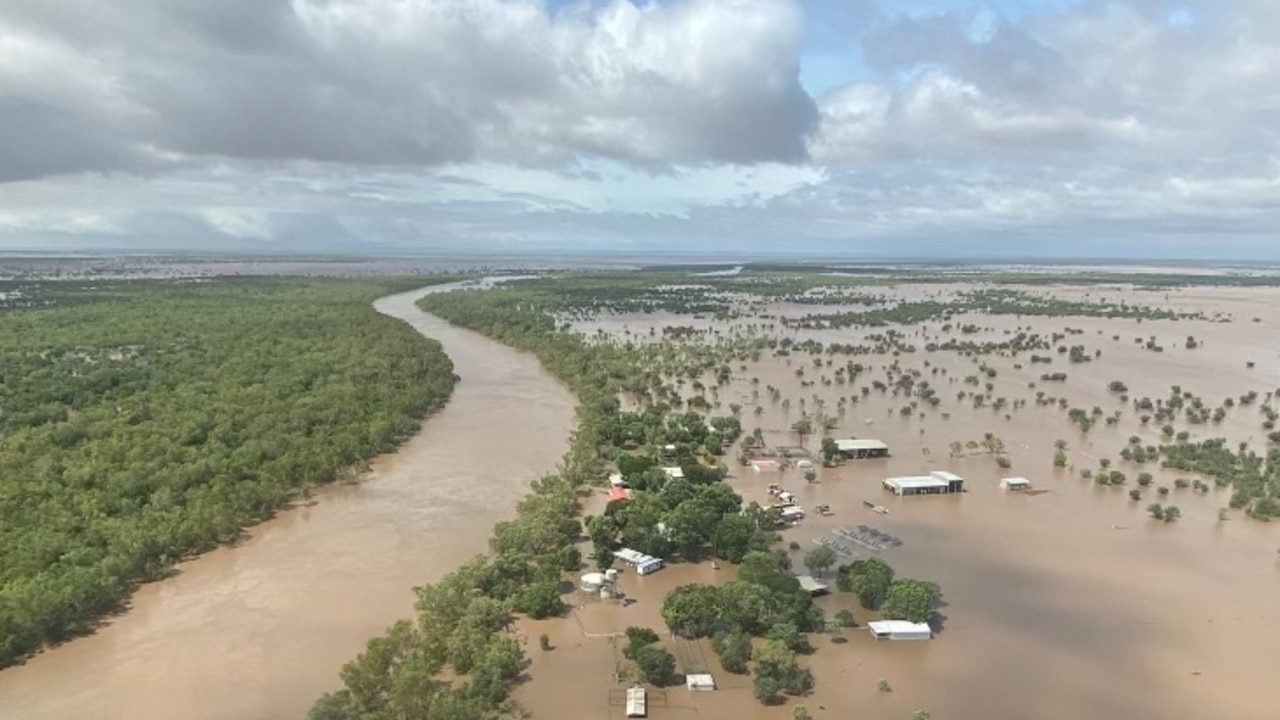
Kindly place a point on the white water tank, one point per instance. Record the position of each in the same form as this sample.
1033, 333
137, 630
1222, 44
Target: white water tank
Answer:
592, 581
611, 575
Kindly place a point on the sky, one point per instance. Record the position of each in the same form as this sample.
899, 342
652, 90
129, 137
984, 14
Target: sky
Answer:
861, 128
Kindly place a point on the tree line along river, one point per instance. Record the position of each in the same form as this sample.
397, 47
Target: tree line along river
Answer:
261, 629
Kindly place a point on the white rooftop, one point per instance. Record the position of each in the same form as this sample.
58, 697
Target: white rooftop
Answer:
810, 585
898, 626
917, 481
637, 705
700, 681
674, 473
860, 444
635, 557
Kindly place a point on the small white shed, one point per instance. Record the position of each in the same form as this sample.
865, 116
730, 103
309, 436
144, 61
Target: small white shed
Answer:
1015, 483
899, 630
700, 682
637, 703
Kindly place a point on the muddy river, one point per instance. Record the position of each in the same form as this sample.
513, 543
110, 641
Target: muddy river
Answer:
258, 631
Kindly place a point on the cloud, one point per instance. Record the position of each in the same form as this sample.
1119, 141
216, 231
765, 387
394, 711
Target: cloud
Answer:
412, 82
941, 125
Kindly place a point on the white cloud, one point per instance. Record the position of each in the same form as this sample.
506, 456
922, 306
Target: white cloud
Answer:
431, 123
411, 82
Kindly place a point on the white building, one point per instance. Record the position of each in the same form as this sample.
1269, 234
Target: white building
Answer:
637, 705
674, 473
862, 448
644, 564
899, 630
810, 584
936, 482
699, 682
1015, 483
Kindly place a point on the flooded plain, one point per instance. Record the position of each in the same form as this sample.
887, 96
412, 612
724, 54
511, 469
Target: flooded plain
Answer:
259, 631
1066, 603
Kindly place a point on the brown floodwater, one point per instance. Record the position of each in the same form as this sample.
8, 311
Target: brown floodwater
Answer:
1066, 604
258, 631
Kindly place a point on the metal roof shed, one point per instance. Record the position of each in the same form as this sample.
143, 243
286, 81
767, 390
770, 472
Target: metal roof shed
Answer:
862, 448
810, 585
1015, 483
700, 682
899, 630
637, 705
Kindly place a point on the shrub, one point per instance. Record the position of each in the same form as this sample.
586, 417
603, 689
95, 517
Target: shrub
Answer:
656, 665
734, 651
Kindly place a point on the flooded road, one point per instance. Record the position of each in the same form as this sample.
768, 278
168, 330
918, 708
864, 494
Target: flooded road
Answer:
259, 631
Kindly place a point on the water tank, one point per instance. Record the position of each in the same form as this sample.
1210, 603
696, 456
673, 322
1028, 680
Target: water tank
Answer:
592, 581
611, 575
606, 592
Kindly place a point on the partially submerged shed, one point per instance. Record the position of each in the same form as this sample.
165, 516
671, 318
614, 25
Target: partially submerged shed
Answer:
810, 584
700, 682
935, 483
644, 564
899, 630
862, 448
1015, 483
637, 703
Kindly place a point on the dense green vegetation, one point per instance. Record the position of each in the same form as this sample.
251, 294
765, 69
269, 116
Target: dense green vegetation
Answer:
27, 293
1255, 479
764, 596
656, 666
685, 290
873, 582
985, 302
144, 421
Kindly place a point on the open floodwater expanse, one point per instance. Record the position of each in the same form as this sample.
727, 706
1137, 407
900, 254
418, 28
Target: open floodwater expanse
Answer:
260, 630
1069, 602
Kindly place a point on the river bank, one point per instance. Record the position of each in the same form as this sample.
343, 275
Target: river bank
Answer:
259, 630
